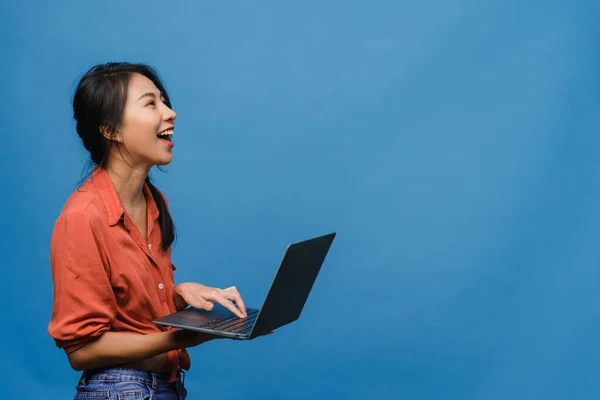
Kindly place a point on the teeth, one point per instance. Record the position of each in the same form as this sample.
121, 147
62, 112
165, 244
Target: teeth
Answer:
166, 133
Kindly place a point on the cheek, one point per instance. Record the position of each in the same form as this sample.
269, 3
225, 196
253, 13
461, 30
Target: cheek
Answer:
141, 129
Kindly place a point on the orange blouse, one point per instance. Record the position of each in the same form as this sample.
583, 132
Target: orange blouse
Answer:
106, 278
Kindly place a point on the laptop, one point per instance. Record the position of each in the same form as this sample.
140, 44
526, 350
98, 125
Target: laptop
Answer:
283, 304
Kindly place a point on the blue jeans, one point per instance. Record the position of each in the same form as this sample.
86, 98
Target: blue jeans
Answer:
129, 384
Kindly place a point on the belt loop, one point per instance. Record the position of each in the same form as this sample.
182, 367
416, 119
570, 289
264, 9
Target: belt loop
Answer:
182, 375
154, 382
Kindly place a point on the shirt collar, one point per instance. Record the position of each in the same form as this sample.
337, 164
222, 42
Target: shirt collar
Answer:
112, 202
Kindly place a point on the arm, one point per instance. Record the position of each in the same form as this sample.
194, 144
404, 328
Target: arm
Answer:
120, 348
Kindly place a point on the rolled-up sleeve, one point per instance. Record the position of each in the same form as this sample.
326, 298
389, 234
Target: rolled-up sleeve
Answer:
84, 304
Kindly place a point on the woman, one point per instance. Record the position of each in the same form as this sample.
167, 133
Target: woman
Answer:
111, 247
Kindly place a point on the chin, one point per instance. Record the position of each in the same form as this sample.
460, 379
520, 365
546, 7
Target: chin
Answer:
164, 161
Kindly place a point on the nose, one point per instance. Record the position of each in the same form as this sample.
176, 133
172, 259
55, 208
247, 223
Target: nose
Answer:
168, 114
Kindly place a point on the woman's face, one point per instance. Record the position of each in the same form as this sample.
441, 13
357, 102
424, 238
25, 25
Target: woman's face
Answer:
147, 124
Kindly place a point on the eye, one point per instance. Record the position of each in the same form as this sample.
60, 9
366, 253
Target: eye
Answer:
151, 103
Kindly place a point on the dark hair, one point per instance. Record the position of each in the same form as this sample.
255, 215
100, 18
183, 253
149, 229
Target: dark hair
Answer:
99, 103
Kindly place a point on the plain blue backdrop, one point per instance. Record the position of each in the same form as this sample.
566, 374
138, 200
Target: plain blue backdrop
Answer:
452, 145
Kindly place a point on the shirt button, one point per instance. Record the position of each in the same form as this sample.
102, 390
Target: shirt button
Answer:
150, 246
161, 286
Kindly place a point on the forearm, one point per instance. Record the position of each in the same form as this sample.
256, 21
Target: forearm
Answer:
114, 348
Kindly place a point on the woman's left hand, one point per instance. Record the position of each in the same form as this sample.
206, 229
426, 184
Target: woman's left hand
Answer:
200, 296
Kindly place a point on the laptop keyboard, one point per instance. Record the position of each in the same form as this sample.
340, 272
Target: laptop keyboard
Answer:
233, 324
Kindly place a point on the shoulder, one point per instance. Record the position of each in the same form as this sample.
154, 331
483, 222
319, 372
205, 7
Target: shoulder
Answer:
83, 207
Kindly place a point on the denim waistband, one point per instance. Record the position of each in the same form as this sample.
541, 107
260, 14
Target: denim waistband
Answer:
115, 374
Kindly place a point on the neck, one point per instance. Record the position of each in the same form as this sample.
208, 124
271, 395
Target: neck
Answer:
128, 182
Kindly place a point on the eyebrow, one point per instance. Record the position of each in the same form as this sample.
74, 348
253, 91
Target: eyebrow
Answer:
149, 94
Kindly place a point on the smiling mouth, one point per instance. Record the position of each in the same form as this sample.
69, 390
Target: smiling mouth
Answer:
166, 135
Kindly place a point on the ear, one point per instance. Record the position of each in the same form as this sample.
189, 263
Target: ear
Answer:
109, 134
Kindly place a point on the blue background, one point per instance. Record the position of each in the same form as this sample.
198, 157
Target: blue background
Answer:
453, 146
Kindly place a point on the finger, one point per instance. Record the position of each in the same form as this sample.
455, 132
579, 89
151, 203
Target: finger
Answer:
222, 300
199, 302
237, 299
232, 294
